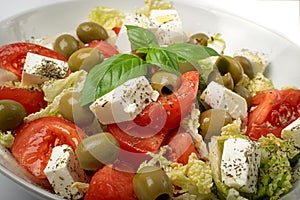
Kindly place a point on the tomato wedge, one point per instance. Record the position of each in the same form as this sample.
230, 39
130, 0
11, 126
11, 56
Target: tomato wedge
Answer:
176, 106
275, 109
35, 140
12, 56
109, 183
104, 47
182, 146
32, 100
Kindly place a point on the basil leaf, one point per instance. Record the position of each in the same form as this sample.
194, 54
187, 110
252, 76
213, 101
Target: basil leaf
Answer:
140, 37
110, 74
164, 59
190, 52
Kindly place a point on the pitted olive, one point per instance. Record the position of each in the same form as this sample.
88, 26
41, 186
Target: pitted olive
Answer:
246, 65
212, 120
199, 39
95, 151
89, 31
85, 58
227, 64
165, 82
69, 108
243, 92
152, 183
12, 114
66, 44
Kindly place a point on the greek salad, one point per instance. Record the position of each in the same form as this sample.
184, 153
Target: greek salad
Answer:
131, 106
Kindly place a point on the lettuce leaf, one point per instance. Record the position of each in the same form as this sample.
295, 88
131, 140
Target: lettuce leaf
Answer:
54, 91
275, 177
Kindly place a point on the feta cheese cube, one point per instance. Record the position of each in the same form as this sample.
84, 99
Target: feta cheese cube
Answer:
167, 27
63, 170
240, 164
38, 69
125, 102
292, 131
219, 97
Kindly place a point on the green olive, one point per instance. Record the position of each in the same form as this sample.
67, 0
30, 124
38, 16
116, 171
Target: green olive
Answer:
212, 120
165, 82
243, 92
199, 39
246, 65
187, 66
225, 80
69, 108
215, 76
85, 59
65, 45
228, 81
89, 31
227, 64
152, 183
12, 114
95, 151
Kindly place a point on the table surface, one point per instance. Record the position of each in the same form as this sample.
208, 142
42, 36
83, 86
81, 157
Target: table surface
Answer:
278, 15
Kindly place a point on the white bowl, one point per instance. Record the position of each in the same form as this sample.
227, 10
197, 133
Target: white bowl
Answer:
238, 33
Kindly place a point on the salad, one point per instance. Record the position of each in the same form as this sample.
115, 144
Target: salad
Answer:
131, 106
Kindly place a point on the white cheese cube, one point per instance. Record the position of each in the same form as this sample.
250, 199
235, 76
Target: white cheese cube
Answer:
292, 131
38, 69
125, 102
122, 41
167, 27
258, 60
240, 164
63, 170
219, 97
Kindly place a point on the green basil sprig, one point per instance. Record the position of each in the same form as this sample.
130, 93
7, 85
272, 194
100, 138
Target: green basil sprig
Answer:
120, 68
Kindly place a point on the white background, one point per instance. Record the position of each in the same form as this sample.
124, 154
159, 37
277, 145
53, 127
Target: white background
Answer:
281, 16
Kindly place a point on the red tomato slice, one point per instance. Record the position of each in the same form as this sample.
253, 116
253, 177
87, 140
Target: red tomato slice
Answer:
32, 100
12, 56
176, 106
104, 47
35, 140
110, 184
130, 142
275, 109
182, 146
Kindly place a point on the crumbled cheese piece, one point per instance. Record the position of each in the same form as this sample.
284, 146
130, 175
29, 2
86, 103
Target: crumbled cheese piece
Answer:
240, 164
124, 102
63, 171
38, 69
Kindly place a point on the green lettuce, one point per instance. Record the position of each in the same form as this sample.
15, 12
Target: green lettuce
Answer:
275, 176
54, 91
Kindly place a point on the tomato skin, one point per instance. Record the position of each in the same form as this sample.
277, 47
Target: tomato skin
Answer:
176, 106
104, 47
111, 184
134, 148
116, 29
130, 142
182, 146
35, 140
32, 100
275, 110
12, 56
